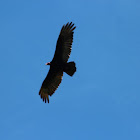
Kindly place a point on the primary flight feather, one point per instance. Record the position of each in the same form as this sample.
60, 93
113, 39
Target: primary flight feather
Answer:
59, 63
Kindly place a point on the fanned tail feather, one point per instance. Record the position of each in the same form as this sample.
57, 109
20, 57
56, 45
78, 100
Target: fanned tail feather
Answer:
70, 68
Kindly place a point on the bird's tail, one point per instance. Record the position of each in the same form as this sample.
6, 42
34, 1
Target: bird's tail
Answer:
70, 68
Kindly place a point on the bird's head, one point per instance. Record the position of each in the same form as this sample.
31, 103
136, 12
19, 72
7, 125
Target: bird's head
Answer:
49, 63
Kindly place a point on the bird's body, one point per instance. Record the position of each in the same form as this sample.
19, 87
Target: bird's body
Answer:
59, 63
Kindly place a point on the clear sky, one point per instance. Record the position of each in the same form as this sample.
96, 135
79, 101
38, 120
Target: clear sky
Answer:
101, 101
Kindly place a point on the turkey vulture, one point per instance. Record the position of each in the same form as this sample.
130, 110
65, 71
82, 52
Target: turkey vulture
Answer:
59, 63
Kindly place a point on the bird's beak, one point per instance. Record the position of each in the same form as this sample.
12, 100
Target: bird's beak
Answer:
47, 63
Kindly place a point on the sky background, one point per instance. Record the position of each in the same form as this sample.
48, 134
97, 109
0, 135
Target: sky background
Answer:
101, 101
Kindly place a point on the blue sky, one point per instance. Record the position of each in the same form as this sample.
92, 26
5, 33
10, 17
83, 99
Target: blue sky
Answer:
101, 101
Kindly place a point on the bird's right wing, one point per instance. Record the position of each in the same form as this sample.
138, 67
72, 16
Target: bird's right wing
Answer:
64, 43
50, 84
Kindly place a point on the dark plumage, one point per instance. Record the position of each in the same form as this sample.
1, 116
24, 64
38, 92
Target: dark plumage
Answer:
59, 64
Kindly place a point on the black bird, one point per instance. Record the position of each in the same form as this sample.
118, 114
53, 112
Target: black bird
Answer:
59, 63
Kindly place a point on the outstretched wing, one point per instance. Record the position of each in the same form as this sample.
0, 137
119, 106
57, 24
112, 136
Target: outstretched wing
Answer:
64, 43
51, 83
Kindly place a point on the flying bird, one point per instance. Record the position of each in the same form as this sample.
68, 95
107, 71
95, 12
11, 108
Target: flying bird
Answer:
59, 63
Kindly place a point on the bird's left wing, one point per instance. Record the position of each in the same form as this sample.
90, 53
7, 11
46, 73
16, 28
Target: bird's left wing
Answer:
50, 84
64, 43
